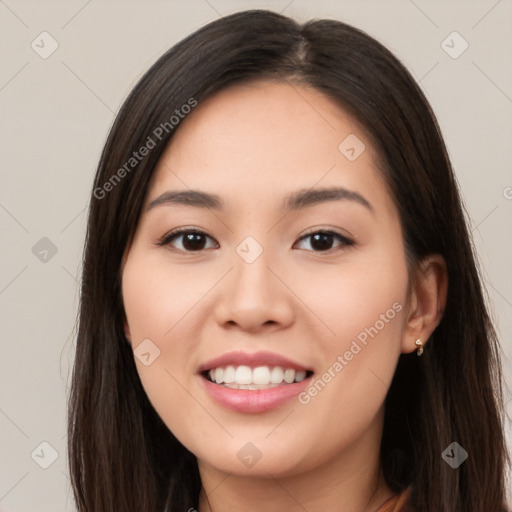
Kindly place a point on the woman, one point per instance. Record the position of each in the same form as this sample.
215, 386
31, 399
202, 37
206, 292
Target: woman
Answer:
280, 304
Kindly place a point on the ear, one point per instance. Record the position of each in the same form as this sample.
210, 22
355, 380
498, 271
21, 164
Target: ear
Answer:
427, 300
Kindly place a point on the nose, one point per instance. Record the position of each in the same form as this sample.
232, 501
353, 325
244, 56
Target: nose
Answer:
255, 297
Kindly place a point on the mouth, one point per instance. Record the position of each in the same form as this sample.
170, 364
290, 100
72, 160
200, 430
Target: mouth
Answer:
260, 377
253, 382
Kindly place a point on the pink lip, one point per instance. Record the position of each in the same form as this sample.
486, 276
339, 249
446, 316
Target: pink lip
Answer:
258, 400
253, 401
252, 360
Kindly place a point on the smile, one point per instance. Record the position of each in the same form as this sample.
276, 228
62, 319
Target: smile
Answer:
261, 377
253, 382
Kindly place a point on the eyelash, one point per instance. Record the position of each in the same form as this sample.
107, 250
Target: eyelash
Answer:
168, 238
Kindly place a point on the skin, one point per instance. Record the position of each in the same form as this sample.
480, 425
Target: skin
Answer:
252, 145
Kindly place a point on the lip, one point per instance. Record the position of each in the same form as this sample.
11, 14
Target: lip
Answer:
257, 400
252, 360
253, 401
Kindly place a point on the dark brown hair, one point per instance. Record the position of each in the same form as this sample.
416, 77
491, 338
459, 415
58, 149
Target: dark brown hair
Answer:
122, 457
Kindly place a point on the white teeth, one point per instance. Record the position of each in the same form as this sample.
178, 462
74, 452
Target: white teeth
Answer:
250, 386
276, 376
243, 375
229, 374
219, 374
300, 375
289, 376
261, 377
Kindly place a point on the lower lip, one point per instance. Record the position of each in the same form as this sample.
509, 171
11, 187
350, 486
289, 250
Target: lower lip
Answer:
254, 401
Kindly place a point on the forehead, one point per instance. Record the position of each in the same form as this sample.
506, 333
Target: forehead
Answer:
263, 139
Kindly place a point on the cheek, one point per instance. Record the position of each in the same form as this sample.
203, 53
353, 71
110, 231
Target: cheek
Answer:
160, 297
362, 311
357, 298
165, 304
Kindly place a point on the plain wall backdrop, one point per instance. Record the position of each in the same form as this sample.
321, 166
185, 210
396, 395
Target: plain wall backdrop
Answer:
65, 69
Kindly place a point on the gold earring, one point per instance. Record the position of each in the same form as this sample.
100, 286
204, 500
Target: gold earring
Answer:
419, 344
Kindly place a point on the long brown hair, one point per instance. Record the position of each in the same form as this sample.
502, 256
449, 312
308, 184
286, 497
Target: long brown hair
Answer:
122, 457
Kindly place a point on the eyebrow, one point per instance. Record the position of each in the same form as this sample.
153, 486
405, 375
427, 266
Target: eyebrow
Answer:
295, 201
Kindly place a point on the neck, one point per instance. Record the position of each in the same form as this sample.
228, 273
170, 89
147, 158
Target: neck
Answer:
352, 480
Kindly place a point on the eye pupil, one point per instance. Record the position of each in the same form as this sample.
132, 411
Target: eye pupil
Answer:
322, 241
193, 241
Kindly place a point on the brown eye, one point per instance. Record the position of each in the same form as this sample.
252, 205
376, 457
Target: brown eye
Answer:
191, 240
322, 240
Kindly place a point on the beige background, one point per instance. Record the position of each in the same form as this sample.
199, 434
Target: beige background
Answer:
56, 113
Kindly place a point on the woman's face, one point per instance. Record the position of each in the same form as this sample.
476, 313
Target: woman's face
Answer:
267, 287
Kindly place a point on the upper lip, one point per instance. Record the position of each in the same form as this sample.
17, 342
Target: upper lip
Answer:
252, 360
